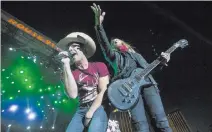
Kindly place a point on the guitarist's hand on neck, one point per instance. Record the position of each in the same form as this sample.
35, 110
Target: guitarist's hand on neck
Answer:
165, 57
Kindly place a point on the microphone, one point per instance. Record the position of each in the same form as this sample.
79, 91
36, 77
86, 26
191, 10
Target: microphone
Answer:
61, 56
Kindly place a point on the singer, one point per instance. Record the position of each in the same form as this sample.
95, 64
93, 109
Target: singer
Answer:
87, 81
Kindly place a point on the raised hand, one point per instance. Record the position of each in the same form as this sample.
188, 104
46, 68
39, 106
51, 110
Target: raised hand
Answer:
99, 15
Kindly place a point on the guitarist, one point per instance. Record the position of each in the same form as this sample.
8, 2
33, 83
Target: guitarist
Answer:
123, 59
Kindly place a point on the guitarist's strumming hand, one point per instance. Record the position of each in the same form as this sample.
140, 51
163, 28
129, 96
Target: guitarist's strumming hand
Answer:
166, 57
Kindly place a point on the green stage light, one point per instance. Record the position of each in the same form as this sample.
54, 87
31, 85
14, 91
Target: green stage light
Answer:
23, 78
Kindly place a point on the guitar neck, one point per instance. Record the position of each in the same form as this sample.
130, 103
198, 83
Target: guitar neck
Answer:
156, 62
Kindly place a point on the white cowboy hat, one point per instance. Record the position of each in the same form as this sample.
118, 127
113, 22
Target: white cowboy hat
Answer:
87, 43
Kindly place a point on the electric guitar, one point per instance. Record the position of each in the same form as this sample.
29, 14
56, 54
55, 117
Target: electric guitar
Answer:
124, 93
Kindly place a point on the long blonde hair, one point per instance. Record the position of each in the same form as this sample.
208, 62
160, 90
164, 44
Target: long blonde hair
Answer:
129, 46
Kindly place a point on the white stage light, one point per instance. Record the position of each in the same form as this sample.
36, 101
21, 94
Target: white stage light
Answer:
28, 127
13, 108
31, 116
27, 110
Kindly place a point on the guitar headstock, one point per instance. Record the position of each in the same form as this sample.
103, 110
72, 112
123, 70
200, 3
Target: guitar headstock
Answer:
181, 43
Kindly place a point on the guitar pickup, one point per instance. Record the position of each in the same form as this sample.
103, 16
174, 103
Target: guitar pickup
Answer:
127, 87
122, 91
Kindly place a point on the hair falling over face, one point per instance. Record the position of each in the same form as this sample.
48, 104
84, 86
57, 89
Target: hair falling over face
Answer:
122, 45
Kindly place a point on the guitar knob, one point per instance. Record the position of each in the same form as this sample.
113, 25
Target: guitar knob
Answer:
133, 96
129, 101
124, 100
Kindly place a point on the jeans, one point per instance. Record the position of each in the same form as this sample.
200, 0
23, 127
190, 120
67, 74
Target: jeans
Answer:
98, 122
152, 98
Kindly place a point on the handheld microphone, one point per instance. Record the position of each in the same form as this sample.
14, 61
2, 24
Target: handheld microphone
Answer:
61, 56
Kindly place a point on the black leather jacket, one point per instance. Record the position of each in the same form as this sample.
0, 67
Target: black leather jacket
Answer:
122, 63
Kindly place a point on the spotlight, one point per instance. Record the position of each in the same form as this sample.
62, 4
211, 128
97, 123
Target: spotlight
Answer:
31, 116
52, 127
41, 127
13, 108
34, 60
27, 110
10, 49
9, 125
28, 127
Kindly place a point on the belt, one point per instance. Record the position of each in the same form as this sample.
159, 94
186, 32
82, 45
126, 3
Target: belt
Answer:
88, 104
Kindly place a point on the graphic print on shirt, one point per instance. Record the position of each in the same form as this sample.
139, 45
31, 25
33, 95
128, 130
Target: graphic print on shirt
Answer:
87, 86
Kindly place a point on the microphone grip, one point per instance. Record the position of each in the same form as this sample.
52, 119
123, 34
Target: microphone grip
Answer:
61, 56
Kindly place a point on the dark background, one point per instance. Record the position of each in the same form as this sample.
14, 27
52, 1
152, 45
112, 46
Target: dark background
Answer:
151, 27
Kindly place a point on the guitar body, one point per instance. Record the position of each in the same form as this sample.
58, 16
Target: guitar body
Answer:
124, 93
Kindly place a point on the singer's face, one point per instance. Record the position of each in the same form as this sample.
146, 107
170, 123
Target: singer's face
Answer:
76, 52
117, 42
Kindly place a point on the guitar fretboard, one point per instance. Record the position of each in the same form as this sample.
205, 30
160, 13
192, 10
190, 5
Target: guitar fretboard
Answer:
155, 63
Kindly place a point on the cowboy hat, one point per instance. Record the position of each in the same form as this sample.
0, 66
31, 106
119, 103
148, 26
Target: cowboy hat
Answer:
87, 43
